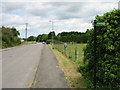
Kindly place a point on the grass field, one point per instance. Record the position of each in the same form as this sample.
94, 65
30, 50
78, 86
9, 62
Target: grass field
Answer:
73, 51
69, 61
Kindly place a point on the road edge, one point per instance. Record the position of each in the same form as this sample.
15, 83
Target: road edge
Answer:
36, 70
6, 49
68, 78
59, 66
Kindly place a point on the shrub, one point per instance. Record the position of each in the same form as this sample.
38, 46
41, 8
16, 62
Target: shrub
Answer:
48, 41
54, 41
108, 53
31, 38
9, 37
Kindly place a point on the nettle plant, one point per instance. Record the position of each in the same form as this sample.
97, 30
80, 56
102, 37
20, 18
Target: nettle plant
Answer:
107, 52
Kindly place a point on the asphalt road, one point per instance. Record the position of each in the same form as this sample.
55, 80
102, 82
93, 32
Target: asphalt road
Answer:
19, 65
48, 73
0, 70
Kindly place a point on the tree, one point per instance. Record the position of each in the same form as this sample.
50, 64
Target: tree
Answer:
31, 38
10, 37
15, 32
44, 37
38, 39
77, 37
41, 38
51, 35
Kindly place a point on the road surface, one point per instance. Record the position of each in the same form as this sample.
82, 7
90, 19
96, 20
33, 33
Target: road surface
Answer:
19, 65
0, 70
48, 74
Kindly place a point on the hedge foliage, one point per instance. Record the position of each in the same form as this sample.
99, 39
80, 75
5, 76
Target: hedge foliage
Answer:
31, 38
9, 37
108, 53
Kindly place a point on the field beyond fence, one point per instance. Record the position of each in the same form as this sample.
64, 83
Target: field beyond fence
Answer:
73, 51
69, 60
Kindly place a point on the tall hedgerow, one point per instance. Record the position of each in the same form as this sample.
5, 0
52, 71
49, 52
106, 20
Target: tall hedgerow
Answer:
108, 53
9, 37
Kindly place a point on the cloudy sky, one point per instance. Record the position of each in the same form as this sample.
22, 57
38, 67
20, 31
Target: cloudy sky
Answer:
67, 16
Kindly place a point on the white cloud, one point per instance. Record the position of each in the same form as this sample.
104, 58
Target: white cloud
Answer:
8, 19
60, 1
67, 16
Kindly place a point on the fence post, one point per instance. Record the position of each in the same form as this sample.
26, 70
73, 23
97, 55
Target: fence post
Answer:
76, 53
70, 52
65, 46
65, 51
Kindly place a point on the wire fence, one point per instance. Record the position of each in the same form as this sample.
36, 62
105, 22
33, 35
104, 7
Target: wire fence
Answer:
72, 51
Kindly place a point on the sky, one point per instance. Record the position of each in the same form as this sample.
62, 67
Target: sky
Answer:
67, 16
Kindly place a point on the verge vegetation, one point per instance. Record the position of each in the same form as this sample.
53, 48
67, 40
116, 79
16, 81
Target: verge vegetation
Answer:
9, 37
107, 53
69, 66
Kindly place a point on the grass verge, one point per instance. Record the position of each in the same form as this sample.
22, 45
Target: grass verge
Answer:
22, 43
74, 78
28, 42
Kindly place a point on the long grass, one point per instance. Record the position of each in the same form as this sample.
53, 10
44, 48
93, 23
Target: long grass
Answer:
69, 60
73, 51
22, 43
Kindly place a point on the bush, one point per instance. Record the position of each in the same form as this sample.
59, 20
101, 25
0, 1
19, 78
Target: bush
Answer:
108, 53
48, 41
31, 38
9, 37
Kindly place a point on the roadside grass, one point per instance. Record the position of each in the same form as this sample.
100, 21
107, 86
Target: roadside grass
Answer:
0, 44
28, 42
69, 66
73, 51
22, 43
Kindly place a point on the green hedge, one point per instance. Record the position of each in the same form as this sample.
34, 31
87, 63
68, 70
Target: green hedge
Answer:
49, 41
108, 53
9, 37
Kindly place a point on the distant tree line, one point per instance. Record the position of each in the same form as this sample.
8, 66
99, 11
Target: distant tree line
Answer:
31, 38
78, 37
9, 37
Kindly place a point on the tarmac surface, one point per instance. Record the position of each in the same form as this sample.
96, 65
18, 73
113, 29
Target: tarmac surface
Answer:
48, 73
19, 65
31, 65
